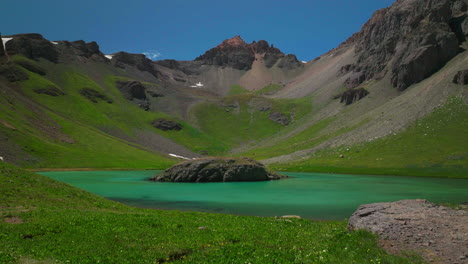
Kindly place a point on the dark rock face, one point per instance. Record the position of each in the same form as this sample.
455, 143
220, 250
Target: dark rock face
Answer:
165, 125
280, 118
417, 224
132, 89
418, 36
461, 77
289, 62
171, 64
32, 46
13, 73
217, 170
83, 49
31, 67
355, 80
2, 49
94, 95
52, 91
138, 60
237, 54
352, 95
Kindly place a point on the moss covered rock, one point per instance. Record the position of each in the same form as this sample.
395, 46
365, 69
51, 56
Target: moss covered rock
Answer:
217, 170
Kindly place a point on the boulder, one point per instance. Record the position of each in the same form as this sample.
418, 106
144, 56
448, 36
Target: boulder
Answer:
132, 89
280, 118
217, 170
433, 230
165, 124
52, 91
461, 77
94, 95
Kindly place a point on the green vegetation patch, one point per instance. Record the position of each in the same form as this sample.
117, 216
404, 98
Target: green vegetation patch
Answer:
44, 220
434, 146
269, 89
245, 118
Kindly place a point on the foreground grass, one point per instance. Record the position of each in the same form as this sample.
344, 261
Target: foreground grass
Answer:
48, 221
434, 146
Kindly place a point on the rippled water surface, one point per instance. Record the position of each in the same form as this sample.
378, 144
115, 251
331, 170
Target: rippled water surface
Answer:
310, 195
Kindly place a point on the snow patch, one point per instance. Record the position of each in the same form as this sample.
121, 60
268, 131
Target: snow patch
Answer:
304, 61
109, 56
5, 40
197, 85
54, 42
178, 156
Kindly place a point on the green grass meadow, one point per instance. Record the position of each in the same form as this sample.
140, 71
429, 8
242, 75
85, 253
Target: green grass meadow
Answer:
433, 146
45, 221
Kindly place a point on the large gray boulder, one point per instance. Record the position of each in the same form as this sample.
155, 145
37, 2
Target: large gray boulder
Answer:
217, 170
437, 232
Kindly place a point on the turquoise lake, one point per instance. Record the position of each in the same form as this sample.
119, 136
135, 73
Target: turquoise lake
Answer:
310, 195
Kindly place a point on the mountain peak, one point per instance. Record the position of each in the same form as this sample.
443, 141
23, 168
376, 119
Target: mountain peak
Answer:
235, 41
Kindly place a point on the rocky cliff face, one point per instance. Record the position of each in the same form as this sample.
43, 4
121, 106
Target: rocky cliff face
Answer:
32, 46
140, 61
236, 53
410, 40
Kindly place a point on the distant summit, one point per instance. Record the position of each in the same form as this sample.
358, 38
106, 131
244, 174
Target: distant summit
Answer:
236, 41
236, 53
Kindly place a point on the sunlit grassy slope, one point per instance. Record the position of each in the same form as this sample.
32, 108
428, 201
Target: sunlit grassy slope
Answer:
245, 118
81, 123
44, 221
433, 146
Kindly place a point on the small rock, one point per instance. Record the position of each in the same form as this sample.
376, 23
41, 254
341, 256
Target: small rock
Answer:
291, 217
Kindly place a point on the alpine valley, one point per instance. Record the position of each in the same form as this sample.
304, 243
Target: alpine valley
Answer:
391, 100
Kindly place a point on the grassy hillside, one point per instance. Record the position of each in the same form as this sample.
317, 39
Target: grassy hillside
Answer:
70, 130
44, 221
433, 146
245, 118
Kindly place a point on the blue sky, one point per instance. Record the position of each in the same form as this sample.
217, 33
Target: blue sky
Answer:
185, 29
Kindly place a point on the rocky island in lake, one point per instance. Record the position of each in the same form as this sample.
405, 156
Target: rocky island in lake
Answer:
217, 170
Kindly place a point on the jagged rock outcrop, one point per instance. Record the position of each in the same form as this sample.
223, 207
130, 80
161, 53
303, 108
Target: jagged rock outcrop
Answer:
237, 54
410, 40
81, 48
94, 95
352, 95
461, 77
32, 46
51, 90
281, 118
140, 61
166, 124
217, 170
31, 67
2, 50
438, 232
13, 73
132, 89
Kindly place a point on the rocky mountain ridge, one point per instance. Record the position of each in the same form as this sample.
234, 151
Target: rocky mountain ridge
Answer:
410, 40
236, 53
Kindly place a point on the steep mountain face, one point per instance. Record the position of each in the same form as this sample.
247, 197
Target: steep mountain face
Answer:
407, 64
410, 40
